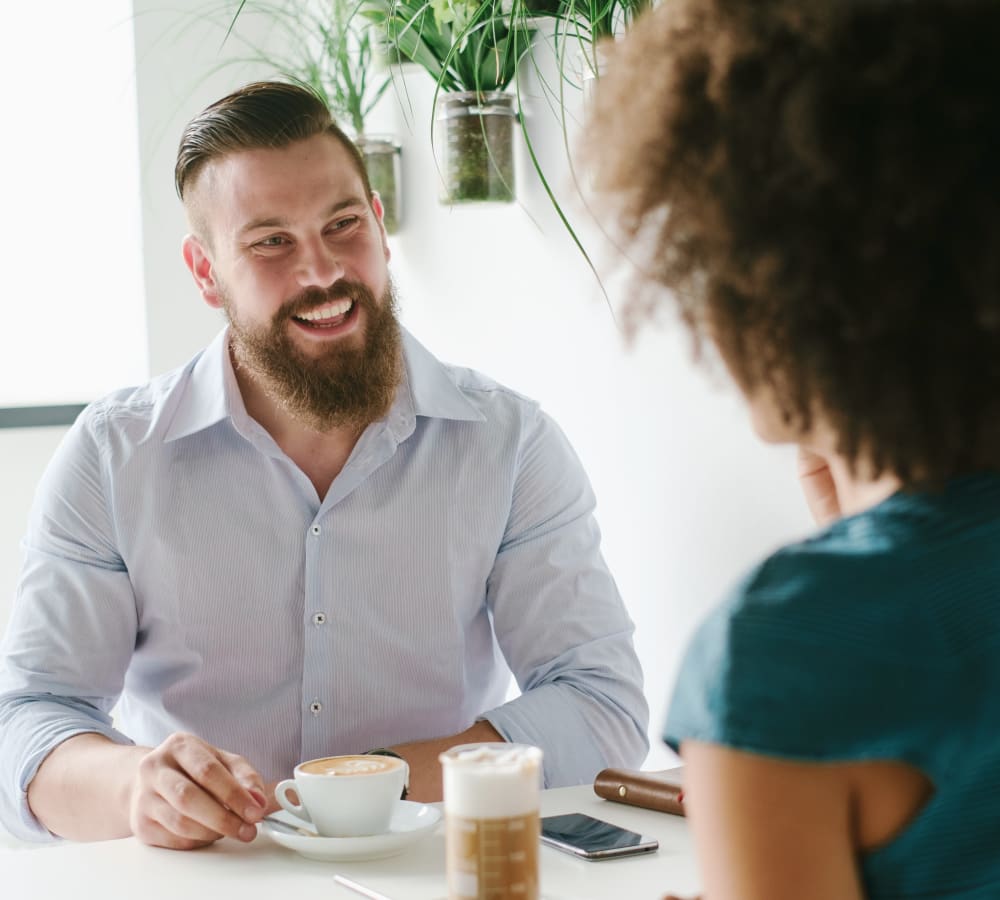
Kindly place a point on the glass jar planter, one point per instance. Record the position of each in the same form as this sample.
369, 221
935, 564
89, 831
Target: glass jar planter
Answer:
474, 136
382, 156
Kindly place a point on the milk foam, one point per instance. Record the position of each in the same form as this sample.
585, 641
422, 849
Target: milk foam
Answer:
492, 782
350, 765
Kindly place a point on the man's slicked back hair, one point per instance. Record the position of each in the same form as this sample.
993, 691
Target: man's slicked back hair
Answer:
259, 116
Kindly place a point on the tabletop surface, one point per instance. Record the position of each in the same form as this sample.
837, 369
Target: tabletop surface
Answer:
262, 870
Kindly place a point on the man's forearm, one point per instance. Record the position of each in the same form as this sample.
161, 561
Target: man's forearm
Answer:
82, 789
425, 768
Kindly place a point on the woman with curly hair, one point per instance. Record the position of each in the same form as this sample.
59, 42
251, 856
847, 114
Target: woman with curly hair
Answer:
816, 188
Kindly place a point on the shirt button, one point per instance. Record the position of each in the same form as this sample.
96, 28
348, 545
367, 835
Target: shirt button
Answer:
319, 619
316, 529
315, 707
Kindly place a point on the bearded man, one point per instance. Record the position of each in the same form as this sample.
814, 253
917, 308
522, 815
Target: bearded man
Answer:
313, 539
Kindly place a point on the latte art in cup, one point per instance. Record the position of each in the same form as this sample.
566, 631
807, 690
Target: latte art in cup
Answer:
345, 796
351, 765
492, 826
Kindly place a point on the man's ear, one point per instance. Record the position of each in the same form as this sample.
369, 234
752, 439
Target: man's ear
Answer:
200, 266
379, 215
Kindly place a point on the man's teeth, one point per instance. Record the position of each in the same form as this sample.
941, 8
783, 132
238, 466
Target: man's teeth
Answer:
330, 311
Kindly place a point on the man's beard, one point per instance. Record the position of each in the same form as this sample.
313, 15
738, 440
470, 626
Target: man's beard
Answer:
347, 386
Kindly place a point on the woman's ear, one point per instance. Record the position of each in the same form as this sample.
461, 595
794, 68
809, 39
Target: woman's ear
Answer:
200, 266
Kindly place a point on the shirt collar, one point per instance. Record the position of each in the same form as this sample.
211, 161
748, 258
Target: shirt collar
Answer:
212, 393
432, 385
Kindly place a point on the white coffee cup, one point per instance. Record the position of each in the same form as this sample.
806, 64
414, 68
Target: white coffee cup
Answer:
345, 796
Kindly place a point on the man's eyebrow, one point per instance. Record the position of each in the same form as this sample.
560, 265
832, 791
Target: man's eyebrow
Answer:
278, 222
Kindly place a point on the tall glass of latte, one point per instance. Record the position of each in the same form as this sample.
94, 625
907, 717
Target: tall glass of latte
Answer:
491, 797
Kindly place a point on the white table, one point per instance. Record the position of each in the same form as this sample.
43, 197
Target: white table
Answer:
128, 870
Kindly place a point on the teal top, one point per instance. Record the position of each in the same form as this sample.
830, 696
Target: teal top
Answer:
878, 638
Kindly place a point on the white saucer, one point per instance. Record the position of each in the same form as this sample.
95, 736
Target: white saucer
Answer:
410, 822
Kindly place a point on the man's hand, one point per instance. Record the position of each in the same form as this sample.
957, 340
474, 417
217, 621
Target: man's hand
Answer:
187, 793
818, 487
183, 794
425, 768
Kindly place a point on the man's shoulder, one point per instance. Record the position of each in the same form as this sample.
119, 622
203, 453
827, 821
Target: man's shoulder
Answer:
144, 406
480, 387
435, 382
509, 416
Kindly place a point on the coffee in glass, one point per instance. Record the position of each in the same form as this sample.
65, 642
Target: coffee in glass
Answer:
491, 801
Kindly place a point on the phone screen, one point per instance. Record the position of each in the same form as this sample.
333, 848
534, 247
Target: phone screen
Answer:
592, 836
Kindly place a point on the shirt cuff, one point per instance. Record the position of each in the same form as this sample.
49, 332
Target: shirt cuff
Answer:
24, 825
544, 718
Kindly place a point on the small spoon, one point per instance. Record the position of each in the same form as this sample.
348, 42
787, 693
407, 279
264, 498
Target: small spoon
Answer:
279, 825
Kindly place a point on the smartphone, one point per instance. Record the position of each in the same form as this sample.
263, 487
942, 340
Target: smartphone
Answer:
591, 838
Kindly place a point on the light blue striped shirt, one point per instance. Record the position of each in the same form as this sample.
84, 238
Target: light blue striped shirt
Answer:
179, 565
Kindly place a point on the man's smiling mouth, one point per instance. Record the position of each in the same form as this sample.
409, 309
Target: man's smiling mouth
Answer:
328, 315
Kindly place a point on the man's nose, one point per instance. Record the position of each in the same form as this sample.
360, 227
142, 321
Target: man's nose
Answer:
318, 264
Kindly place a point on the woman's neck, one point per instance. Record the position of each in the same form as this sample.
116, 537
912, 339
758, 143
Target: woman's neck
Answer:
861, 489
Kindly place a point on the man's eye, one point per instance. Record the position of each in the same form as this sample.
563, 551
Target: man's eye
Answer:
344, 223
273, 241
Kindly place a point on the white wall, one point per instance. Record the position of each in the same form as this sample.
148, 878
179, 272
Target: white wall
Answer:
687, 497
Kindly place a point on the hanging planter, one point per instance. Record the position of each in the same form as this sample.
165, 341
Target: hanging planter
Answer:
474, 134
382, 156
471, 49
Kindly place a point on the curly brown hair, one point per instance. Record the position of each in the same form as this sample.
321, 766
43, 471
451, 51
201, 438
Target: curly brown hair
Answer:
817, 185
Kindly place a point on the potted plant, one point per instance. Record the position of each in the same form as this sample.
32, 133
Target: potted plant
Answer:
331, 50
471, 48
